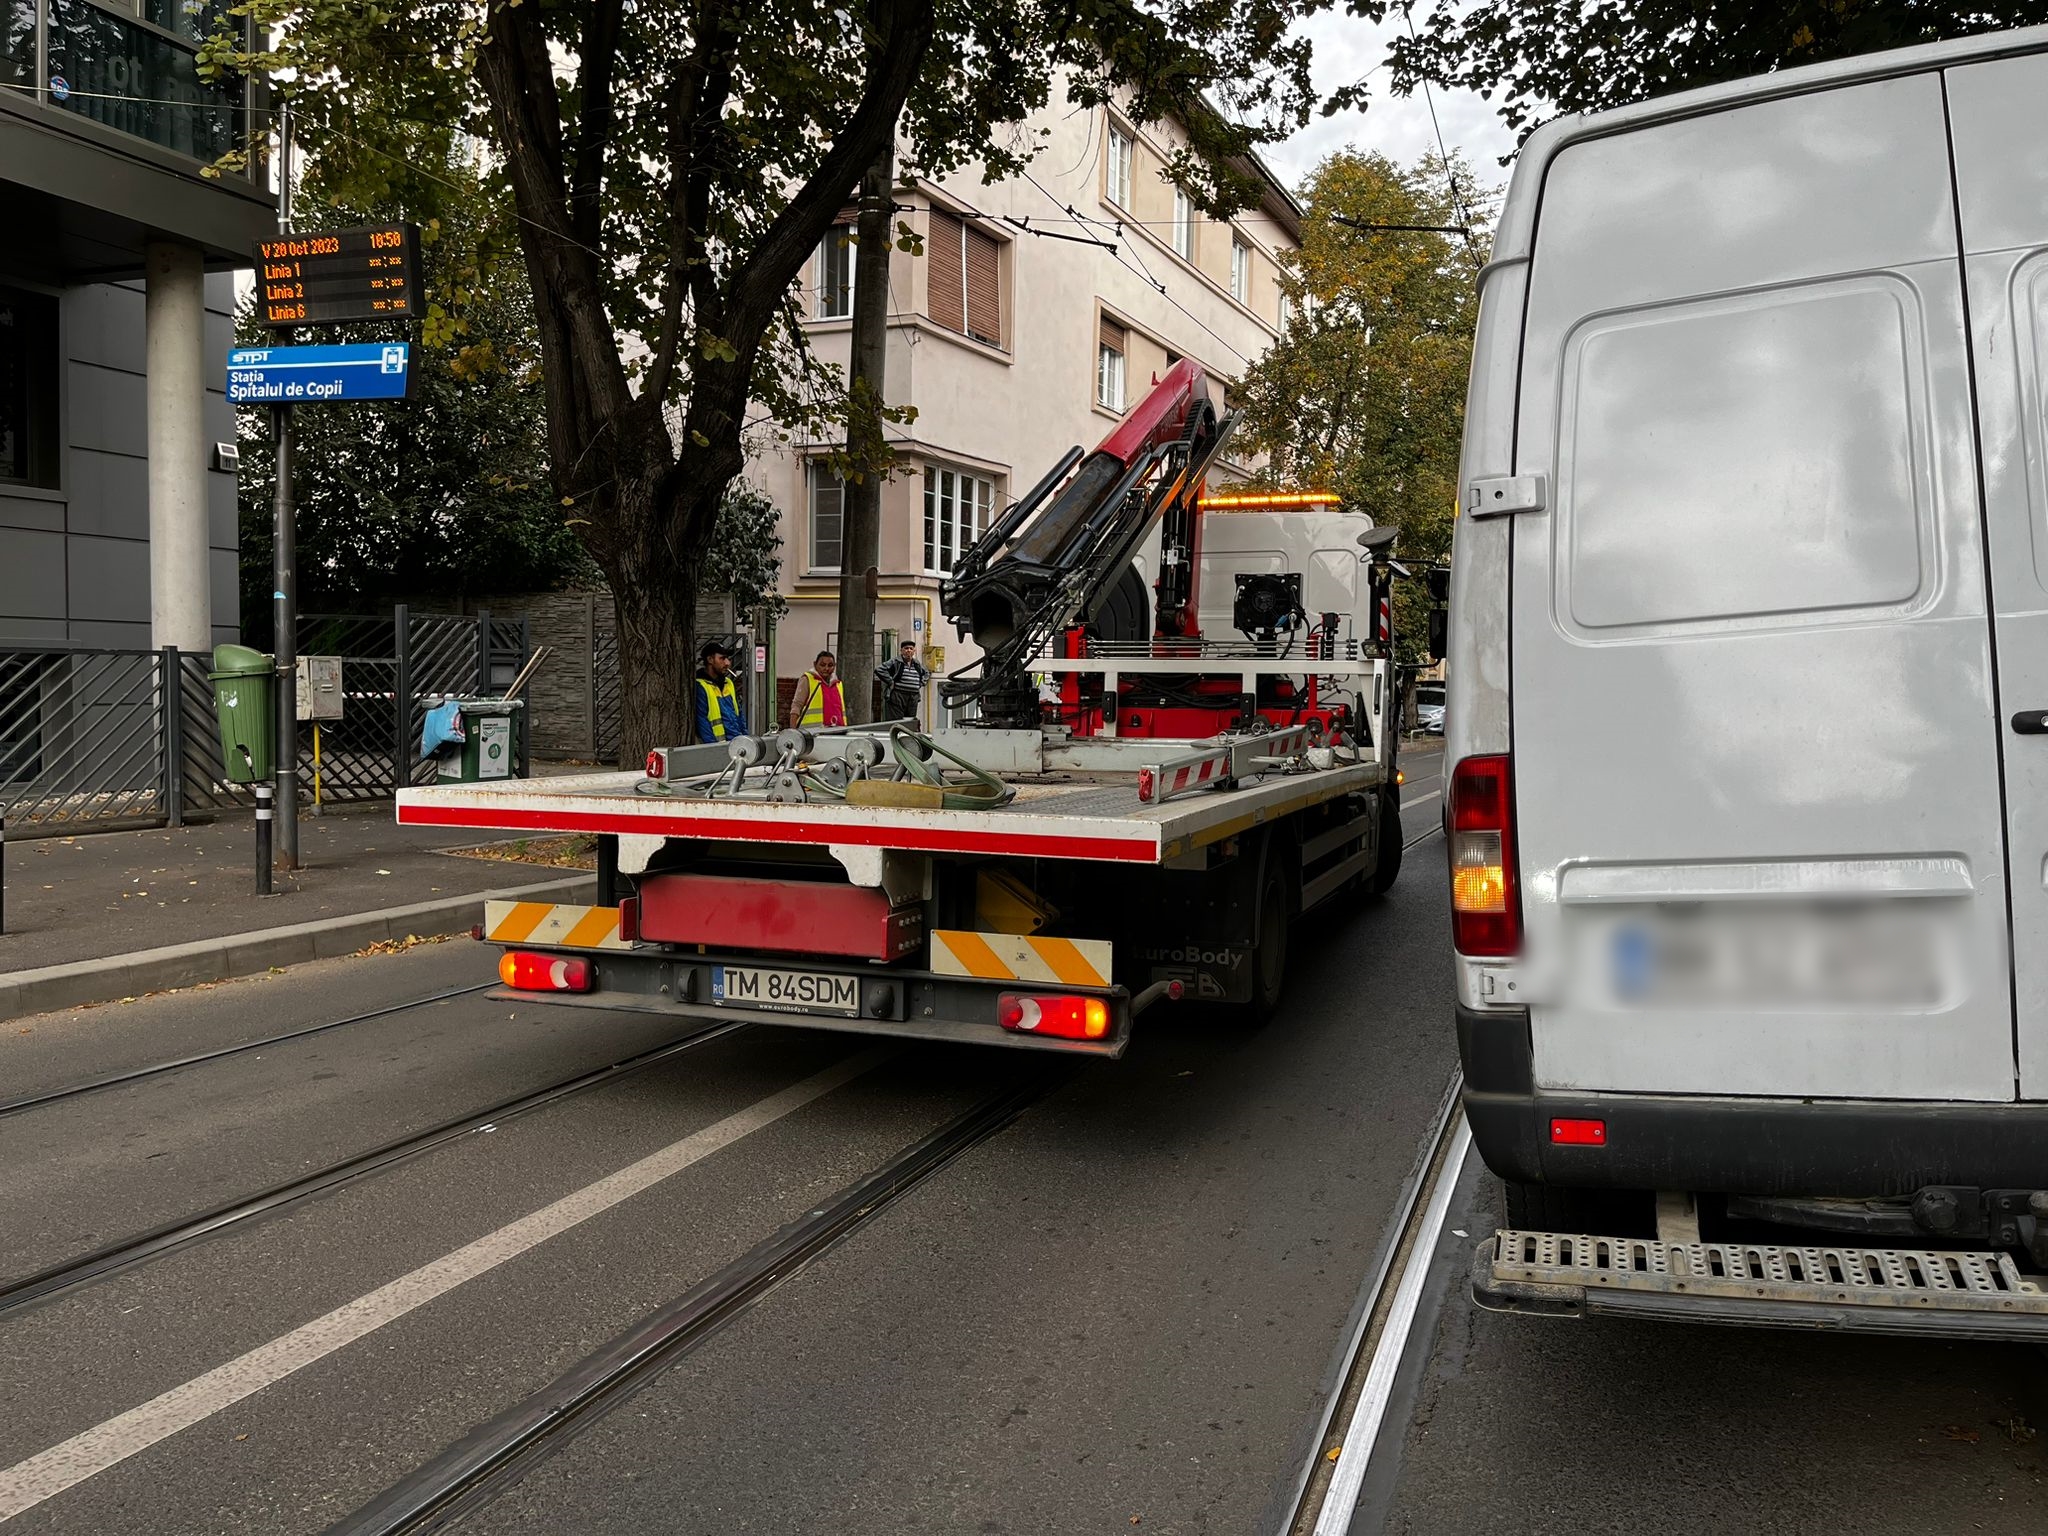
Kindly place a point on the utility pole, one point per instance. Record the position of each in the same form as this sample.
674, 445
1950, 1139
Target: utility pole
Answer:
285, 564
861, 525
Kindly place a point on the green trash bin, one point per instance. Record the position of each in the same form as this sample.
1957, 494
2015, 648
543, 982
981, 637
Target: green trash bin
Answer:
245, 697
490, 742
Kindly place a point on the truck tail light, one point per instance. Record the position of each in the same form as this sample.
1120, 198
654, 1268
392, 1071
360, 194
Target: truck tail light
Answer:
525, 971
1486, 902
1068, 1018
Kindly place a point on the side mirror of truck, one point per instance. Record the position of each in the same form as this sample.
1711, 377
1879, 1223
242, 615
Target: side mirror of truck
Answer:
1439, 579
1439, 633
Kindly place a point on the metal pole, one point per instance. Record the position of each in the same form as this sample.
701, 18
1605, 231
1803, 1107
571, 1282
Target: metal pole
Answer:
285, 596
483, 653
401, 762
522, 727
3, 874
171, 689
263, 825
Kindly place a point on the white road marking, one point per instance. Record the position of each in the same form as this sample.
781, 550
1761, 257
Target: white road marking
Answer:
50, 1472
1334, 1519
1434, 794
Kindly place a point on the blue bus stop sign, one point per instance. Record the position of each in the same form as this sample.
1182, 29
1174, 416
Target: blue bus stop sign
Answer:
378, 370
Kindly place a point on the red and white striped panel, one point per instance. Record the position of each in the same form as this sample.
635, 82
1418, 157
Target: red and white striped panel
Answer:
1154, 786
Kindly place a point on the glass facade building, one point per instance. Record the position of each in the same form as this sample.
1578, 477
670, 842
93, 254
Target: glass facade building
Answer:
130, 65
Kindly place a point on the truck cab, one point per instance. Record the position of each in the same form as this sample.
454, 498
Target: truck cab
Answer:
1747, 809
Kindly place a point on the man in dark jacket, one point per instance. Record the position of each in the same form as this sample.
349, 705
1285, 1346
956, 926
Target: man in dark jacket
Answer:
903, 679
719, 714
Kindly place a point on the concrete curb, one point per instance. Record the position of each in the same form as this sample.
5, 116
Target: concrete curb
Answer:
248, 954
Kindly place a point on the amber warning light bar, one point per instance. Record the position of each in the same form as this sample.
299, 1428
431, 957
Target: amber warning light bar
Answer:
1269, 500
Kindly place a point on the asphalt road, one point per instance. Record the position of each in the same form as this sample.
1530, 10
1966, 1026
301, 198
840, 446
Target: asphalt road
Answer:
1118, 1314
1120, 1309
1545, 1425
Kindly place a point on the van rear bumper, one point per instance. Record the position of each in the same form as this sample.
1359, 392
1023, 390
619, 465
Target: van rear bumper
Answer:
1851, 1147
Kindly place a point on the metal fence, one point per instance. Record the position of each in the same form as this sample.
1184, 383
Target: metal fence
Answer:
95, 738
101, 739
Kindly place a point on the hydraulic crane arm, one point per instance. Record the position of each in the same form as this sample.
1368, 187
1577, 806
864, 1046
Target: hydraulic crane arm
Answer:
1035, 572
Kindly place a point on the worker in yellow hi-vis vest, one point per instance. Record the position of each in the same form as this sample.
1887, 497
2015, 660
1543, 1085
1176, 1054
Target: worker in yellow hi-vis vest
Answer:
719, 714
820, 697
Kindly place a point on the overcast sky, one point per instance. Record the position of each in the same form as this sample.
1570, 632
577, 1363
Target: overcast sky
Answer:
1347, 49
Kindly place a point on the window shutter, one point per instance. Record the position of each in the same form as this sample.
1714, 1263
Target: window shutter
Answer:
947, 302
984, 289
1112, 335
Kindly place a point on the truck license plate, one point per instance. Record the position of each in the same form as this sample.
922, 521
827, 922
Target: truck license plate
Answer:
745, 986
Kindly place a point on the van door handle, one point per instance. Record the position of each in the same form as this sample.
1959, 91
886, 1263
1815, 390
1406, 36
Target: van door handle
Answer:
2031, 722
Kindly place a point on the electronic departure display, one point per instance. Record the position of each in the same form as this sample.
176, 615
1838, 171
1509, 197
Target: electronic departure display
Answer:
340, 275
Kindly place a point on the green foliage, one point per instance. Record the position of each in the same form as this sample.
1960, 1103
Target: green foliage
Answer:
1365, 394
440, 496
742, 559
673, 165
1543, 57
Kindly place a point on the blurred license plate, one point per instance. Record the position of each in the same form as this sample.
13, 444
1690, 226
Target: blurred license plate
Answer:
1878, 955
746, 986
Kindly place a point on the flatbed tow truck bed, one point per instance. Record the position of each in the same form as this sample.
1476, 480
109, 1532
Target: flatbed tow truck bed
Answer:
1067, 815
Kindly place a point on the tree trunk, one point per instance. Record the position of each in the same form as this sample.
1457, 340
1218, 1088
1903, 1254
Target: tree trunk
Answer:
655, 598
861, 528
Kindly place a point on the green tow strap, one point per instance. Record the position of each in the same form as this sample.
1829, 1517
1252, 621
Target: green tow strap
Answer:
984, 792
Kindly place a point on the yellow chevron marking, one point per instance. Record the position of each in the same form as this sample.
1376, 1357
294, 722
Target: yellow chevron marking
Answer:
1015, 957
971, 952
516, 925
558, 925
1068, 963
595, 926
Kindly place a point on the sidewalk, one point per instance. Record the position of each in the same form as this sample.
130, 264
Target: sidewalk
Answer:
112, 914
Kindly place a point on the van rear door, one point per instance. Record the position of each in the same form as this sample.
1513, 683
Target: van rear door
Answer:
1998, 115
1756, 767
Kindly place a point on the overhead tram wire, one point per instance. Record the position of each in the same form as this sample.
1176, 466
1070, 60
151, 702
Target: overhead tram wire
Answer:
1140, 272
1443, 152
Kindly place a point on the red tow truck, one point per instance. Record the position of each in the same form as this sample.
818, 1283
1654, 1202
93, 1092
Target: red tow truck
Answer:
1123, 810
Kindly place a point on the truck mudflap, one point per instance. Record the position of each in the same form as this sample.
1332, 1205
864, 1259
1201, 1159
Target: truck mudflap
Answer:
1941, 1293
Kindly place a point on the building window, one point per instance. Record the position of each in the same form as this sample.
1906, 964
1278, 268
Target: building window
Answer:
1119, 181
835, 274
1109, 365
28, 389
140, 81
1183, 225
1285, 312
956, 513
965, 288
1240, 271
828, 518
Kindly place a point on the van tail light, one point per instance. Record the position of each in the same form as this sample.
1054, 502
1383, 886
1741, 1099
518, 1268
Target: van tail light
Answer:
1578, 1133
1068, 1018
1479, 816
525, 971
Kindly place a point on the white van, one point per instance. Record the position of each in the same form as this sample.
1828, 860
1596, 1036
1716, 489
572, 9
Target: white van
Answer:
1748, 811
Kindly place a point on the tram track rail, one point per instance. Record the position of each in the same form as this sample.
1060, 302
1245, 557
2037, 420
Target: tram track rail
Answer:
481, 1466
1322, 1495
27, 1290
158, 1069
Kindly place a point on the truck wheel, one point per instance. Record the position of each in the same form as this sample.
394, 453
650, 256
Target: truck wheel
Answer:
1381, 880
1269, 955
